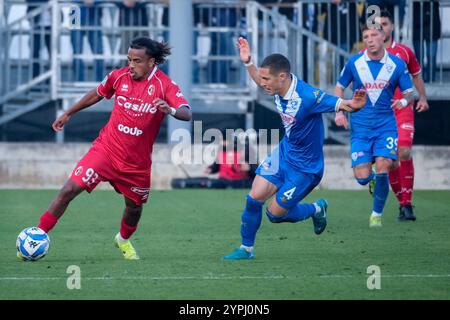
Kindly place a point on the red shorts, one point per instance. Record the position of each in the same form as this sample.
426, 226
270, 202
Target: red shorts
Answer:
405, 126
96, 166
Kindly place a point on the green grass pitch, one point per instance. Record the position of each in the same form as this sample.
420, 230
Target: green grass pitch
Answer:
183, 235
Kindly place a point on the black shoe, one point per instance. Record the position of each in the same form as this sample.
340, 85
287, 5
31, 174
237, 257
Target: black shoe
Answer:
401, 214
408, 213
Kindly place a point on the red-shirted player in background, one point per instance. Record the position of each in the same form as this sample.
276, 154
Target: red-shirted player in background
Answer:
401, 177
121, 154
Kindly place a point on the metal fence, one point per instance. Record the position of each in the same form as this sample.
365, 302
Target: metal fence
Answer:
58, 48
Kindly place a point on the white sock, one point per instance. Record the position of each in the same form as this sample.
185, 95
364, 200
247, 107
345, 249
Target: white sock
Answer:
120, 239
376, 214
318, 209
248, 249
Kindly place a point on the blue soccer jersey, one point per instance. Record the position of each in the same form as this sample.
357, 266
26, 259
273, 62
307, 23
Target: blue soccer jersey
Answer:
379, 78
373, 128
301, 112
296, 166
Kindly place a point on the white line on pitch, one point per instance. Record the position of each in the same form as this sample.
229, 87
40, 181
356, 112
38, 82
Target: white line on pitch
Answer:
223, 277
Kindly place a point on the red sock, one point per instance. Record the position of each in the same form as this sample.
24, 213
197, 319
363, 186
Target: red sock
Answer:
125, 230
47, 221
396, 183
407, 178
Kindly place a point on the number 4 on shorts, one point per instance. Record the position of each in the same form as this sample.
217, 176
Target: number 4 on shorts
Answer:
288, 194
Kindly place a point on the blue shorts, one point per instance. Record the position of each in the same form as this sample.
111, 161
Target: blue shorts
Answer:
366, 147
293, 185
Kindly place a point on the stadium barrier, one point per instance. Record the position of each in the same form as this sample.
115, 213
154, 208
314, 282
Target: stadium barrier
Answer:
28, 165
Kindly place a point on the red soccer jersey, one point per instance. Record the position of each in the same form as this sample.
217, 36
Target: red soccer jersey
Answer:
407, 55
129, 135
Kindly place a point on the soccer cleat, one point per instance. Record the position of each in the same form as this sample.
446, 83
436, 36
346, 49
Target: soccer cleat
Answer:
320, 218
401, 214
127, 249
239, 254
19, 257
375, 221
406, 213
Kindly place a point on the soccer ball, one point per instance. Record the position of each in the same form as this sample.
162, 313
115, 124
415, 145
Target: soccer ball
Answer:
32, 243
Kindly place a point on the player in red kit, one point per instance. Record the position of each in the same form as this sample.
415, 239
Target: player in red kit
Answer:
121, 154
401, 176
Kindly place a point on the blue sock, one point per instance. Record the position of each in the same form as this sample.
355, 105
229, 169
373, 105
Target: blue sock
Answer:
381, 192
251, 220
300, 212
364, 181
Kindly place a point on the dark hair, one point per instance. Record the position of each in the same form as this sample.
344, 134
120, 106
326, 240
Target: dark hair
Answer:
157, 50
386, 14
277, 63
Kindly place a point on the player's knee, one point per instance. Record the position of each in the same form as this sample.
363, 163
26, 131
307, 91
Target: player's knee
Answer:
273, 218
404, 154
134, 210
70, 191
364, 181
395, 165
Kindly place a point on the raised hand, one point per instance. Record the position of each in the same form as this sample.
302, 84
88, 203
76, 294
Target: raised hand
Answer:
244, 50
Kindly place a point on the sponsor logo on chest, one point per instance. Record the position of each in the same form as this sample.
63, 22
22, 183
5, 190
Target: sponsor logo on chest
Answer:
131, 131
135, 107
287, 119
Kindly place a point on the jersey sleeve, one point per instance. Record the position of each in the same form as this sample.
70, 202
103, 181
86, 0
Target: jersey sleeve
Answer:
413, 64
325, 102
346, 76
404, 80
174, 97
106, 87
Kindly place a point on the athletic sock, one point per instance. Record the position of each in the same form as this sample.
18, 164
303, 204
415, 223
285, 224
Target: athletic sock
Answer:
300, 212
47, 221
381, 192
251, 221
396, 183
126, 231
407, 178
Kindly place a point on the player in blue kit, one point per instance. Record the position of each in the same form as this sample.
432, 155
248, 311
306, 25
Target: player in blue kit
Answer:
294, 168
373, 131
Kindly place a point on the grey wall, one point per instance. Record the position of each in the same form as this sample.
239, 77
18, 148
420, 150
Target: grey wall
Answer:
47, 165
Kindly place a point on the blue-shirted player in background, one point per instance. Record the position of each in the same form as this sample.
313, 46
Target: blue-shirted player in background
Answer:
373, 131
296, 166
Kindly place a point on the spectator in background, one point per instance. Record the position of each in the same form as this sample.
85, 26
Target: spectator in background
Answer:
222, 44
233, 171
90, 21
40, 33
426, 32
132, 13
342, 23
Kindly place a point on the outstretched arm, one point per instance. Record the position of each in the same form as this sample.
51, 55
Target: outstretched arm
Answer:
357, 103
89, 99
246, 58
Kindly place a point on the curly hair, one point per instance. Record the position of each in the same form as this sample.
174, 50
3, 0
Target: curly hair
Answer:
157, 50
